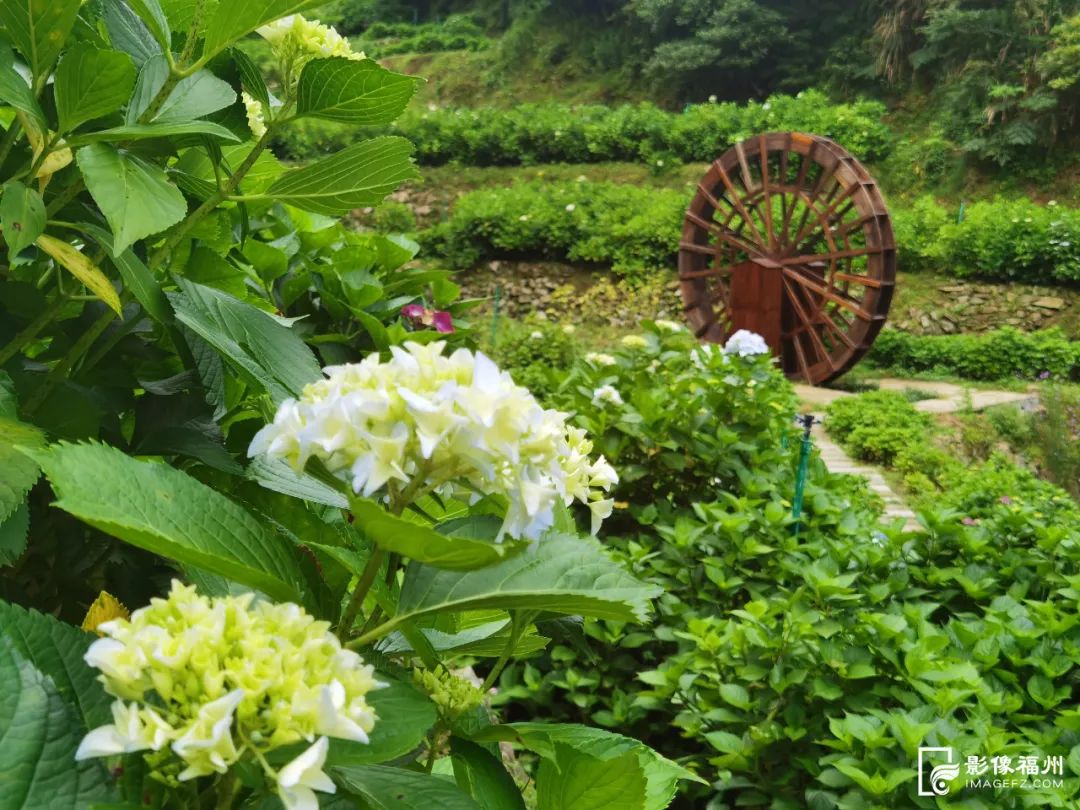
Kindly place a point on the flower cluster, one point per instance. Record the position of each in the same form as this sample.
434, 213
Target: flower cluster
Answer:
600, 359
211, 679
256, 115
456, 425
421, 317
453, 694
607, 394
634, 342
295, 41
746, 344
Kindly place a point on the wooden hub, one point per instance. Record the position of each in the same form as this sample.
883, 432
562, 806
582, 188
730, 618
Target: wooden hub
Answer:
788, 236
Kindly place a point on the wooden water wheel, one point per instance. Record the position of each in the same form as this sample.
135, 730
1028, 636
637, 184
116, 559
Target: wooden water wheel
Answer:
788, 236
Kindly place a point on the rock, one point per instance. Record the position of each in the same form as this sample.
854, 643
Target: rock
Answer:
953, 288
1049, 302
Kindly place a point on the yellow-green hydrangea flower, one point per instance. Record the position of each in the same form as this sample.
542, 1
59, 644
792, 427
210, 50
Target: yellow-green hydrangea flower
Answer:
210, 679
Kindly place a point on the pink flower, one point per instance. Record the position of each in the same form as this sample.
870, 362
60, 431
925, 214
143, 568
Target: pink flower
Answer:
420, 316
1006, 500
969, 521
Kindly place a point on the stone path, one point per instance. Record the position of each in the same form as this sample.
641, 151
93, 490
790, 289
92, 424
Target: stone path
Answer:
950, 398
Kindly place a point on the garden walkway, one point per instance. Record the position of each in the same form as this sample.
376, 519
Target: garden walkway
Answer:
951, 398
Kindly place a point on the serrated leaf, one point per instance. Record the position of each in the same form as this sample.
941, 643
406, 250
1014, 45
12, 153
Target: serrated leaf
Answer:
358, 175
91, 83
136, 197
560, 573
140, 132
17, 472
151, 13
152, 76
137, 276
38, 739
82, 268
56, 649
22, 216
456, 545
13, 532
15, 92
360, 92
277, 475
264, 350
385, 788
161, 509
232, 20
587, 783
480, 774
39, 29
130, 34
195, 96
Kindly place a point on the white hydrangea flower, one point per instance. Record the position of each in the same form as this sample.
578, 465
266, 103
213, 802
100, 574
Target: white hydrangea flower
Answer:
607, 394
536, 335
569, 329
634, 342
570, 207
298, 781
668, 326
295, 41
745, 343
600, 359
209, 678
256, 118
455, 424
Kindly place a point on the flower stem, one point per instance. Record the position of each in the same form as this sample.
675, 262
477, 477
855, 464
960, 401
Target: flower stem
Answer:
81, 347
367, 578
226, 791
519, 620
16, 344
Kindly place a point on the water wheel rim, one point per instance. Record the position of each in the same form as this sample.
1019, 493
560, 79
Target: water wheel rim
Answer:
805, 214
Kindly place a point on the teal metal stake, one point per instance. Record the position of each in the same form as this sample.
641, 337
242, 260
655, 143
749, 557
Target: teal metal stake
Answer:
807, 422
495, 317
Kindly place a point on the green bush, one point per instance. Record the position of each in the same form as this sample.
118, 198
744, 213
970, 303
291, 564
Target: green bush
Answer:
876, 426
1001, 354
630, 228
535, 351
1003, 240
556, 133
458, 33
804, 665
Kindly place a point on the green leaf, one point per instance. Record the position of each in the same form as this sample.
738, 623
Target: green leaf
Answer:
385, 788
405, 715
136, 197
588, 783
129, 34
38, 739
250, 76
152, 76
39, 29
137, 276
575, 751
277, 475
480, 774
358, 175
232, 20
163, 510
457, 545
360, 92
15, 92
91, 83
13, 533
17, 472
22, 216
194, 97
139, 132
736, 695
560, 573
151, 14
76, 263
56, 649
263, 349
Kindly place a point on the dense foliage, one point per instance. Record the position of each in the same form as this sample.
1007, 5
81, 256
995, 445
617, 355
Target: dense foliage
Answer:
998, 239
553, 133
1001, 354
170, 292
805, 660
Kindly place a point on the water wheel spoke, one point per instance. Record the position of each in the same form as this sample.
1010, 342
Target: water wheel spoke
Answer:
800, 356
826, 218
736, 201
726, 234
831, 256
809, 324
766, 195
694, 247
829, 293
707, 272
866, 281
